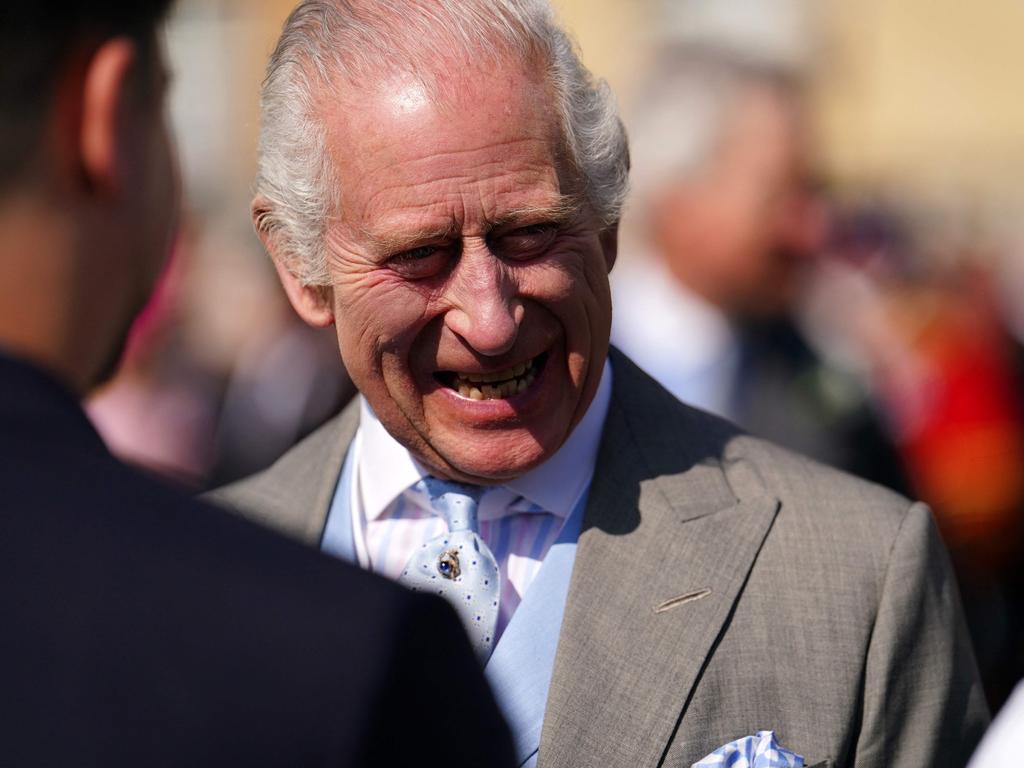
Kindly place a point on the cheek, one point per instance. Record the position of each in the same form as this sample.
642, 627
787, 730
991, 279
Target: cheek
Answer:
377, 318
575, 286
575, 292
591, 306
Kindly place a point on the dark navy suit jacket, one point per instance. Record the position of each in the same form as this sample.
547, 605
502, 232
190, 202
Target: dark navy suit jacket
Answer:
139, 627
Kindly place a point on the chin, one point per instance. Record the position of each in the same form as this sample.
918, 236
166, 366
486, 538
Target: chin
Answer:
498, 459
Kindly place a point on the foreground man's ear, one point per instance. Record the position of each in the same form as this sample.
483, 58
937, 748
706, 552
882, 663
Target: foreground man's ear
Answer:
103, 115
609, 238
313, 303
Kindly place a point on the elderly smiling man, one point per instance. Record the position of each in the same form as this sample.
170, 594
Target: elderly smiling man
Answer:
441, 181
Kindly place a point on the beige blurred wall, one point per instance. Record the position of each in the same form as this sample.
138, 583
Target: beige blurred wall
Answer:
924, 96
612, 37
926, 93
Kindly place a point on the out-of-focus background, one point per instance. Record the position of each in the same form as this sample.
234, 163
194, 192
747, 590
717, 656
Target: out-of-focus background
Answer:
825, 243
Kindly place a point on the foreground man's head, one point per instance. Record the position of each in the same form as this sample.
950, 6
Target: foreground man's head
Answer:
88, 193
442, 182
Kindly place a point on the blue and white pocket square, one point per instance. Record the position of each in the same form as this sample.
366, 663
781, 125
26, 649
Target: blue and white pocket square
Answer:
758, 751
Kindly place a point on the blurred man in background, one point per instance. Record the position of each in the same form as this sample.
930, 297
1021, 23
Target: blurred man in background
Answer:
727, 220
141, 628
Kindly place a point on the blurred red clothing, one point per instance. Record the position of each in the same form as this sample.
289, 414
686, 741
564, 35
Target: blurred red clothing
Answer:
964, 445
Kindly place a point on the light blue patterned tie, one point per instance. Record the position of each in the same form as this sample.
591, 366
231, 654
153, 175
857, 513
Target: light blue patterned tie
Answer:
458, 565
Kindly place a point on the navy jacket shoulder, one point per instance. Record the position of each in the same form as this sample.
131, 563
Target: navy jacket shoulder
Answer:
141, 627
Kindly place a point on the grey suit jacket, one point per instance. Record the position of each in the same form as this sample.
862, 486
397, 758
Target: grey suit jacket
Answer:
723, 586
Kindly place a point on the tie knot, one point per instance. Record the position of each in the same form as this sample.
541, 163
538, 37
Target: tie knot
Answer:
456, 502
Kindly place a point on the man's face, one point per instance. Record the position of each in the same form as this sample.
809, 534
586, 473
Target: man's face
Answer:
470, 295
746, 226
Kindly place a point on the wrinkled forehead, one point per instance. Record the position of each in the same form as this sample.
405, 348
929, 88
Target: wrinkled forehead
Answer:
401, 123
500, 94
448, 79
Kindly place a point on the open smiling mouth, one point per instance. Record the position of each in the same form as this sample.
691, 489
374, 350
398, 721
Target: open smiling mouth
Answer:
497, 385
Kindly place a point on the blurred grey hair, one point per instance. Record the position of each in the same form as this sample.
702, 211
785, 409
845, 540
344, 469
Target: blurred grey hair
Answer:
683, 111
327, 43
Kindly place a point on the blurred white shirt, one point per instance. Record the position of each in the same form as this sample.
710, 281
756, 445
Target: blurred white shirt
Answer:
685, 343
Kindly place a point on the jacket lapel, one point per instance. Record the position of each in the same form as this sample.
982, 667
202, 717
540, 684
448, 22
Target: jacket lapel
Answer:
665, 551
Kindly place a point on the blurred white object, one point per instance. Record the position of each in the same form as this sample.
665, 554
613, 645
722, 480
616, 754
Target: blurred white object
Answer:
1001, 747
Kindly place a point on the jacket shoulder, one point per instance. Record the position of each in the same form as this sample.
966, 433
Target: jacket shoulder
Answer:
285, 495
752, 465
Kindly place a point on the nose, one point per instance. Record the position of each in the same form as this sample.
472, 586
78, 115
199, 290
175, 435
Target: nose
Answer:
485, 312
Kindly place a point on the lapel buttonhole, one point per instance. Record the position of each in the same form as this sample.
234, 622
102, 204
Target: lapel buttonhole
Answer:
675, 602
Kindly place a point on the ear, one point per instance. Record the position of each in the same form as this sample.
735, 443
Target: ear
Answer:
313, 303
108, 76
609, 238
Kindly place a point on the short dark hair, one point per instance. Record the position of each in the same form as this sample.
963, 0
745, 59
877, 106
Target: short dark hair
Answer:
36, 39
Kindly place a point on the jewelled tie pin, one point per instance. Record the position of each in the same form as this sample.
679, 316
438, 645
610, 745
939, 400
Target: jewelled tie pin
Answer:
448, 564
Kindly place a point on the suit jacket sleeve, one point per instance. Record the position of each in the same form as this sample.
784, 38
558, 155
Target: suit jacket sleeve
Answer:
436, 707
923, 704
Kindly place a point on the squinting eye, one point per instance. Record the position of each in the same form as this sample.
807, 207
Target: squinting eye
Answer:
526, 242
422, 262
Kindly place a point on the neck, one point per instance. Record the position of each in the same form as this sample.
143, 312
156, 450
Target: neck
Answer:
43, 314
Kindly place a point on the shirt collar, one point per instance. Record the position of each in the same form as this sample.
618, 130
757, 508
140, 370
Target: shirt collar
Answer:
386, 468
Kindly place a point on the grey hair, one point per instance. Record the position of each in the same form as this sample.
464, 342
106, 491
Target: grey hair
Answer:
325, 42
683, 110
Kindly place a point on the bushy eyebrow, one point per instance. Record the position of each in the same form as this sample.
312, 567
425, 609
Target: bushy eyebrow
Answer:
564, 210
388, 242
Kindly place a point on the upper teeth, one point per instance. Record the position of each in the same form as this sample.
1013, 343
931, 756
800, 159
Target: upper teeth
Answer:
479, 386
511, 373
